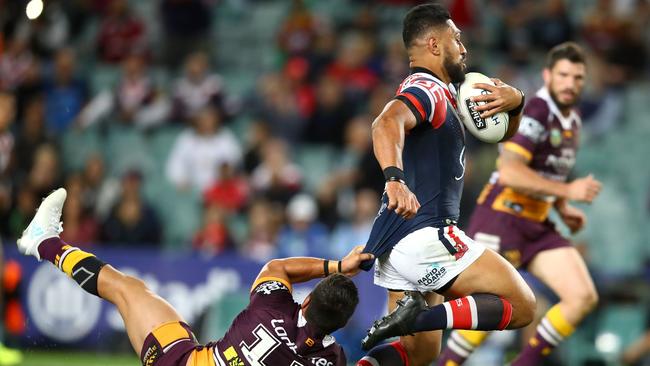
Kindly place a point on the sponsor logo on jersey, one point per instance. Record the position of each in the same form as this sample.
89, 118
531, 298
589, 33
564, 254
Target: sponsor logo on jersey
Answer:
284, 336
267, 287
461, 161
563, 163
432, 276
319, 361
232, 357
516, 207
150, 356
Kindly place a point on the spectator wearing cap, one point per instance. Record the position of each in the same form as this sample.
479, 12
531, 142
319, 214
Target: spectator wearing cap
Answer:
303, 235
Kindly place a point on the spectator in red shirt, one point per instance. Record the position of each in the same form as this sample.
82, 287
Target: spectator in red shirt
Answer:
120, 34
213, 238
229, 192
351, 64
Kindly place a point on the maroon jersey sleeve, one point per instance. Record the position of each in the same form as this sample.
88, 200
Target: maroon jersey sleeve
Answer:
271, 292
532, 129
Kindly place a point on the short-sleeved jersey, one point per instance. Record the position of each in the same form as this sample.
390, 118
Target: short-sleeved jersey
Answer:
433, 159
272, 331
549, 141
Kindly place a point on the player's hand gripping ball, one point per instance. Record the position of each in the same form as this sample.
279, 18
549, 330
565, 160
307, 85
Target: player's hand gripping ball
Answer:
491, 129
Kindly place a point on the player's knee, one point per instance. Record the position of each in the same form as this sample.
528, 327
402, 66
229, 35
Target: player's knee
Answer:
421, 353
590, 300
423, 356
583, 301
523, 309
132, 285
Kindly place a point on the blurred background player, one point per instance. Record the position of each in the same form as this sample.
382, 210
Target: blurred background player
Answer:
512, 211
420, 144
273, 329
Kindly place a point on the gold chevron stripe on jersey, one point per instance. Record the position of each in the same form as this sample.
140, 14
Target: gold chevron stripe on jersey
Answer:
170, 333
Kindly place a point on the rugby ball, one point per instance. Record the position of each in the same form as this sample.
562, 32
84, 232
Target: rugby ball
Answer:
491, 129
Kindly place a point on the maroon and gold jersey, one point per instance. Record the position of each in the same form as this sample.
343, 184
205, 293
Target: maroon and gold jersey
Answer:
272, 331
549, 142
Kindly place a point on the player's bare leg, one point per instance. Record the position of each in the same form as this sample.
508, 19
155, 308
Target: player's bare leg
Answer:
565, 272
491, 274
141, 309
462, 343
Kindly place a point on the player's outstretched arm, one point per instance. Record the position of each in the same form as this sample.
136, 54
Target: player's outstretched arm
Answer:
514, 172
388, 132
302, 269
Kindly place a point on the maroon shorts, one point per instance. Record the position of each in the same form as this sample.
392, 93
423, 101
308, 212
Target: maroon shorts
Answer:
517, 239
170, 344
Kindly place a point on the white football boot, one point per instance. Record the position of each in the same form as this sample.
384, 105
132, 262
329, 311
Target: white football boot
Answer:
45, 224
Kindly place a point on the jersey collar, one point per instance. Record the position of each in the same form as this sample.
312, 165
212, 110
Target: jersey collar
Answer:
449, 89
417, 69
566, 122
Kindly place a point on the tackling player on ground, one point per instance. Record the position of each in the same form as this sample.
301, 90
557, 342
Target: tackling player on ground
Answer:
419, 142
512, 211
272, 330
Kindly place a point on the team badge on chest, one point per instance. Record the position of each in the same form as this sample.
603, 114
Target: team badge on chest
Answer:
556, 137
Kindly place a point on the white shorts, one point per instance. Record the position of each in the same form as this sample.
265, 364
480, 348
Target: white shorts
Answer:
423, 260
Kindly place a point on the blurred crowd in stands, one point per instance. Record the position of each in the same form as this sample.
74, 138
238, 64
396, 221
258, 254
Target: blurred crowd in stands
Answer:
330, 79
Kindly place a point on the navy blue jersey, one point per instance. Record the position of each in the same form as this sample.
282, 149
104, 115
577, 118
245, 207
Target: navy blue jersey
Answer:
433, 159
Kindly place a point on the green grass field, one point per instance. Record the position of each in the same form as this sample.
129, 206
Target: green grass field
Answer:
41, 358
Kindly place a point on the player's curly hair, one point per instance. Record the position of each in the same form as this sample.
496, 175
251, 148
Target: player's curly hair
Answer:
422, 18
332, 303
566, 51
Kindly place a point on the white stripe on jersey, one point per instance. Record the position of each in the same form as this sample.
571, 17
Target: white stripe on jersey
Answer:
435, 79
217, 358
370, 360
434, 91
432, 98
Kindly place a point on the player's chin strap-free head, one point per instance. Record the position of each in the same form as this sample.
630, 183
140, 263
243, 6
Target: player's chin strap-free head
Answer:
331, 304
